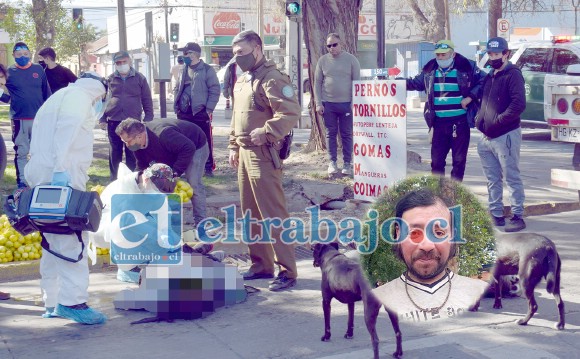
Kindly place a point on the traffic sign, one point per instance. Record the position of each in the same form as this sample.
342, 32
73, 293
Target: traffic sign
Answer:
390, 71
503, 28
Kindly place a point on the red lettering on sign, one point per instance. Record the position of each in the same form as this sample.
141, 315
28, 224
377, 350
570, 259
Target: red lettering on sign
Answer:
226, 23
369, 190
371, 150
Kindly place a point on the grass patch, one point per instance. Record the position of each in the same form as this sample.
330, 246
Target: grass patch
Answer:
318, 175
99, 173
8, 183
4, 113
217, 180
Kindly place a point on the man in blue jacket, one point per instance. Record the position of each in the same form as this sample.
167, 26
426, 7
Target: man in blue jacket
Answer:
197, 95
452, 83
503, 101
28, 87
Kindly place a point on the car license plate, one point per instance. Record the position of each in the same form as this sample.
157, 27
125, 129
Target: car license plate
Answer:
566, 134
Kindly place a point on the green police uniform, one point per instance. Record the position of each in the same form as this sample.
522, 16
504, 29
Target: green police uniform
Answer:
265, 99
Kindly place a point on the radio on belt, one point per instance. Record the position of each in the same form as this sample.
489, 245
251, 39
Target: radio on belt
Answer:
54, 209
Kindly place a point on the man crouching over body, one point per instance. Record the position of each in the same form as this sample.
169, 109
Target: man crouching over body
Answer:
265, 110
428, 290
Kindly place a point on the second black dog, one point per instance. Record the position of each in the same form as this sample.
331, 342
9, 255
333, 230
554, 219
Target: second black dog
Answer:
532, 257
343, 279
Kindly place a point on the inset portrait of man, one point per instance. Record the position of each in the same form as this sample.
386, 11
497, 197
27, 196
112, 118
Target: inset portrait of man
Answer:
427, 240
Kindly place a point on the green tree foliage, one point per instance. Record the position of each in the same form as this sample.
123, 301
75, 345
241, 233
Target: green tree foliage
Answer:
51, 26
382, 265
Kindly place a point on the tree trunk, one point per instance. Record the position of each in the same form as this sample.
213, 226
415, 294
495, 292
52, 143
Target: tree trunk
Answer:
434, 29
45, 15
321, 17
494, 12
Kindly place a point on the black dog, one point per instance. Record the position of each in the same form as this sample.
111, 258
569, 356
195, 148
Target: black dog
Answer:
343, 279
530, 256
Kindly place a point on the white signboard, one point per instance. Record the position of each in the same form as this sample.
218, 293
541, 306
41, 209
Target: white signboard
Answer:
503, 28
379, 136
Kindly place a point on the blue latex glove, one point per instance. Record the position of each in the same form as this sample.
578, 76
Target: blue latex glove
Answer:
60, 179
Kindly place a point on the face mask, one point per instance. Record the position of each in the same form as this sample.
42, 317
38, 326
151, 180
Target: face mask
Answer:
134, 147
445, 63
187, 60
98, 107
246, 62
123, 69
22, 61
42, 63
496, 63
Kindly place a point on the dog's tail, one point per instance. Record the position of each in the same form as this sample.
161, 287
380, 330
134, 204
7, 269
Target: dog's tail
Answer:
553, 266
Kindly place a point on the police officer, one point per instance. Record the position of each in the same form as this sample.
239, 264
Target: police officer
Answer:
265, 110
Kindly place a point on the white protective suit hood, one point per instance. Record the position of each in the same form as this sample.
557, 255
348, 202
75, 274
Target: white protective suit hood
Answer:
65, 123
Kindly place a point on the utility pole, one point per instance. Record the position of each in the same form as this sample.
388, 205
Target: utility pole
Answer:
447, 21
166, 6
122, 25
380, 34
261, 19
575, 3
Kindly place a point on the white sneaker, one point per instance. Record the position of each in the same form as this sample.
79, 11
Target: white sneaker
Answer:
332, 168
347, 170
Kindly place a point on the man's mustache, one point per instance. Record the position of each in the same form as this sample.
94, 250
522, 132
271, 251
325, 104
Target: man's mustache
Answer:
431, 255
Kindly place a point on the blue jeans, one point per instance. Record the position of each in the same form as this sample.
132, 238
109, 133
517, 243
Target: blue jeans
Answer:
498, 156
338, 117
194, 174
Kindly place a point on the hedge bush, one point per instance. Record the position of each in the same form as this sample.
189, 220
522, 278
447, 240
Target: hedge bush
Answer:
382, 265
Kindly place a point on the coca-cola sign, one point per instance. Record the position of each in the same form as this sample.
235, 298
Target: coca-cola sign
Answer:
226, 23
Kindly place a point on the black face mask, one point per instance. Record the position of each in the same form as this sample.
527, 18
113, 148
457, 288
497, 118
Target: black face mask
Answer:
42, 63
246, 62
496, 63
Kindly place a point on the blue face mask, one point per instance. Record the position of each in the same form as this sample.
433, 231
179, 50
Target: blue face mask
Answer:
445, 63
187, 60
98, 106
22, 60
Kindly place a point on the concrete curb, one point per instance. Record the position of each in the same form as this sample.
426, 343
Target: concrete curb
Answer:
18, 271
540, 209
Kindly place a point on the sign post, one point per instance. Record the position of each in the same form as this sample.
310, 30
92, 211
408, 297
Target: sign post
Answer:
503, 29
379, 136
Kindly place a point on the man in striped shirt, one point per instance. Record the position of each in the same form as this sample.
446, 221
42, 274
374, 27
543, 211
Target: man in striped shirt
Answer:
451, 82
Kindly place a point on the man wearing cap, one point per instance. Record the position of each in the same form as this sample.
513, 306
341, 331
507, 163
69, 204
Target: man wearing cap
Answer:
451, 82
265, 110
503, 100
197, 94
28, 87
179, 144
130, 98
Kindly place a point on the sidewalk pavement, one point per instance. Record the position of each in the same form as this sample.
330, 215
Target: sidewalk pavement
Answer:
289, 324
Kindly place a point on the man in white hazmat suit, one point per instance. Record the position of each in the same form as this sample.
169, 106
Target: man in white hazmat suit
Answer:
61, 152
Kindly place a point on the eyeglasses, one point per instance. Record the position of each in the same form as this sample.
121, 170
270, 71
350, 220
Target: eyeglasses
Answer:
417, 235
442, 46
332, 45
